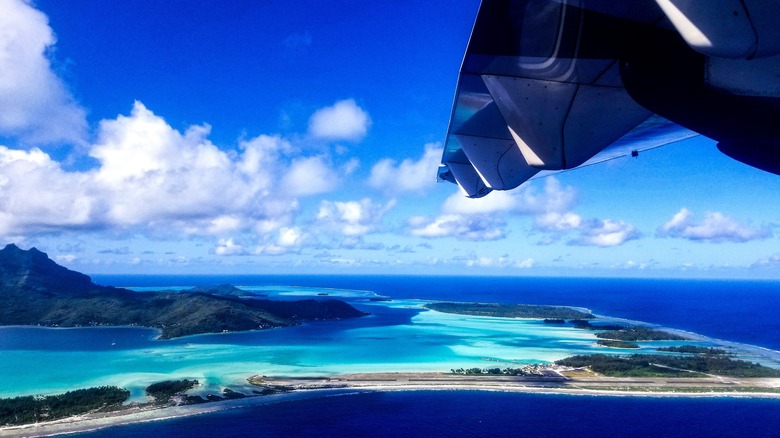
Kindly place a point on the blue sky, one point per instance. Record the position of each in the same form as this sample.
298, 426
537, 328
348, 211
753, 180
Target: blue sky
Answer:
303, 137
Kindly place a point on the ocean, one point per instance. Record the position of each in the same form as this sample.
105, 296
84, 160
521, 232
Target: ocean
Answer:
475, 414
399, 335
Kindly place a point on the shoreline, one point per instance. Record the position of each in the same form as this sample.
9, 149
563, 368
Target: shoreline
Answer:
369, 382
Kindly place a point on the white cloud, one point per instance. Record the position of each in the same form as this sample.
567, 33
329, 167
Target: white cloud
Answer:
409, 175
35, 106
291, 236
150, 172
485, 218
353, 218
716, 227
550, 208
464, 227
345, 120
37, 195
605, 233
155, 180
496, 202
635, 265
224, 225
65, 258
290, 239
350, 166
555, 221
471, 259
226, 247
554, 198
309, 176
500, 262
525, 263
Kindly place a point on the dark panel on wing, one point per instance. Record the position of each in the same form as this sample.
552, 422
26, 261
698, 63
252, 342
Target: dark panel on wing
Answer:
561, 81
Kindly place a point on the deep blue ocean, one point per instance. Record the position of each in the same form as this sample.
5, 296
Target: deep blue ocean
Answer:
741, 311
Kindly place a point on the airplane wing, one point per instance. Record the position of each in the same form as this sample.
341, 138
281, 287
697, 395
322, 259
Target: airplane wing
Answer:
550, 85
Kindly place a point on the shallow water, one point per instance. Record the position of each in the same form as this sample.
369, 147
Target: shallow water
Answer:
398, 335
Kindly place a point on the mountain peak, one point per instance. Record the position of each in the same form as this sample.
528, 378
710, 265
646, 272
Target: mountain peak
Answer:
33, 271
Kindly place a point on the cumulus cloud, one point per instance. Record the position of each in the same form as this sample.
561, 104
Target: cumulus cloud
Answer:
635, 265
550, 208
500, 262
715, 227
352, 218
485, 218
37, 195
606, 233
473, 260
344, 120
154, 178
464, 227
408, 175
226, 247
35, 105
289, 240
309, 176
65, 259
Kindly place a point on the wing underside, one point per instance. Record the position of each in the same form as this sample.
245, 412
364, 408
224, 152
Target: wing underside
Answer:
542, 89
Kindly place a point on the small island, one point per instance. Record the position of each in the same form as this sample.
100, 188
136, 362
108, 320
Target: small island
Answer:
638, 333
616, 344
695, 349
510, 310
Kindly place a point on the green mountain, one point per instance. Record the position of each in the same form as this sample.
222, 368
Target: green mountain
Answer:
34, 290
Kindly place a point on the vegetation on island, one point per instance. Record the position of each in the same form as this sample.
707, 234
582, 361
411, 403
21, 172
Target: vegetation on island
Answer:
616, 344
169, 391
32, 409
36, 291
657, 365
586, 325
510, 310
225, 290
162, 392
695, 349
637, 333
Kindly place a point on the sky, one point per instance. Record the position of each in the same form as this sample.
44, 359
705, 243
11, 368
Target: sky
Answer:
278, 137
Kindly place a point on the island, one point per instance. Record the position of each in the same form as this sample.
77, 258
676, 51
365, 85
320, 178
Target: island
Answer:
37, 291
617, 344
495, 310
638, 333
225, 290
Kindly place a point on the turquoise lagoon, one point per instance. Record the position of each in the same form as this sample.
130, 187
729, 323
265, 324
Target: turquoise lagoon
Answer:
399, 335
